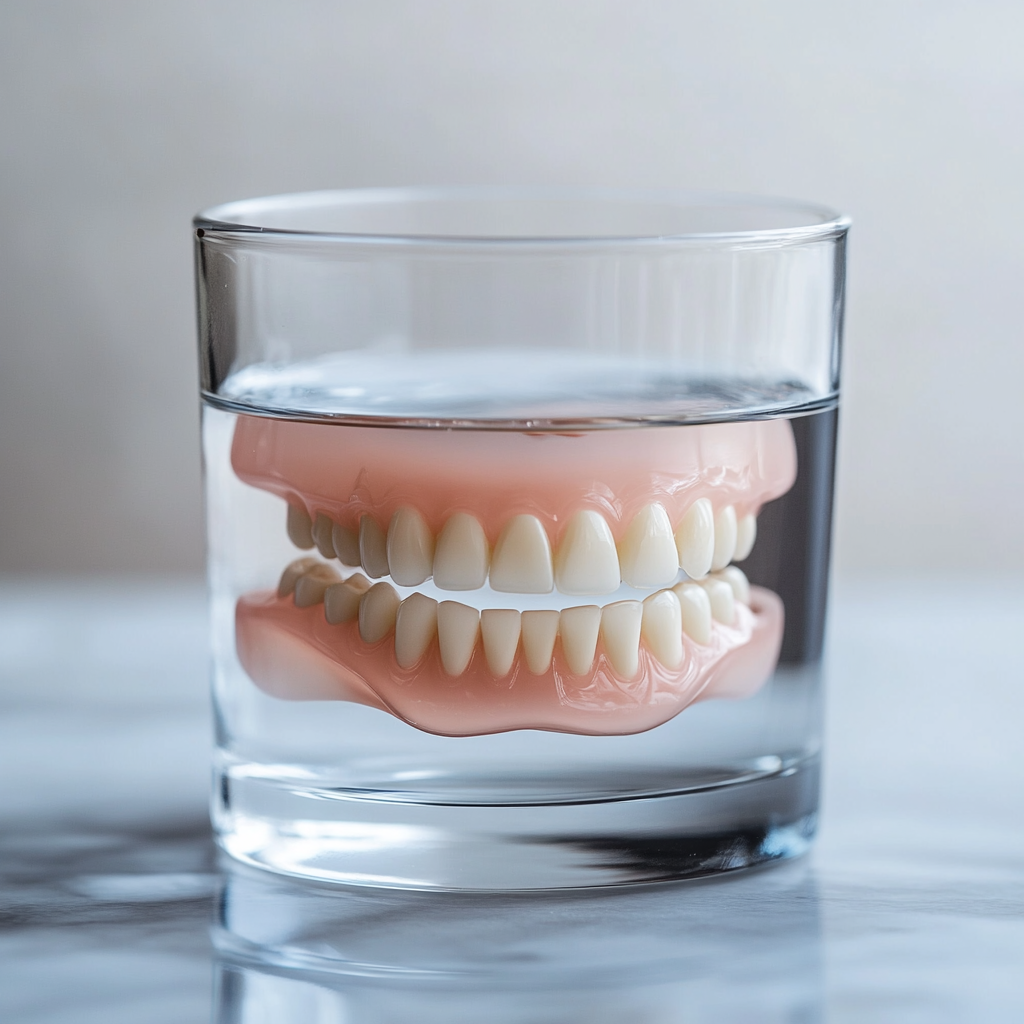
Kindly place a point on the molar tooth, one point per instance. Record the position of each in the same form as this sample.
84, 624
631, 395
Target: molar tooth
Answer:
725, 537
539, 629
300, 527
746, 534
579, 628
377, 612
737, 581
620, 631
723, 604
695, 539
322, 529
292, 573
500, 628
415, 627
410, 549
587, 562
310, 586
647, 551
373, 548
695, 609
461, 557
662, 628
346, 544
522, 558
458, 626
341, 600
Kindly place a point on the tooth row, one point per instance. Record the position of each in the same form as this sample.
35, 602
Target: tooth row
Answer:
587, 561
661, 620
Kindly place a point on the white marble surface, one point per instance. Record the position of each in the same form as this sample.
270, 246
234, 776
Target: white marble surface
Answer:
910, 909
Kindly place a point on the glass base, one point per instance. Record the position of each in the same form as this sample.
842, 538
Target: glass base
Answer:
356, 839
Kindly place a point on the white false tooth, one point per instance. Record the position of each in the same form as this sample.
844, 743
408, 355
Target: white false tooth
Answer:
587, 562
322, 529
522, 558
410, 548
373, 548
737, 581
746, 534
725, 537
662, 628
341, 600
310, 586
579, 628
647, 551
292, 573
462, 556
500, 628
415, 627
300, 527
695, 609
695, 539
458, 627
620, 631
346, 544
539, 630
723, 603
377, 612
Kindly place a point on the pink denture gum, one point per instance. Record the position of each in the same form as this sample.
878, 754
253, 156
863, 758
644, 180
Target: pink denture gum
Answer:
347, 473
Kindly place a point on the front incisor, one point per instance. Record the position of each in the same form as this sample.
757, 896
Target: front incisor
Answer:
410, 548
500, 628
587, 562
539, 631
458, 627
647, 551
521, 563
620, 633
462, 557
579, 628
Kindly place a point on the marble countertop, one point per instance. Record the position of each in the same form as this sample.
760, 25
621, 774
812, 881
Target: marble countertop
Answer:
909, 909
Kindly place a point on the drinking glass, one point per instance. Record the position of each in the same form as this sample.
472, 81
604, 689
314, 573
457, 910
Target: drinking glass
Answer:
518, 510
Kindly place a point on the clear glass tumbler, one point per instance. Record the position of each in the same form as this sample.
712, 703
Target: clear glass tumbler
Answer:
519, 509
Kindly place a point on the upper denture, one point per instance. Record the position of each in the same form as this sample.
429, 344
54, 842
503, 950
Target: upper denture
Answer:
531, 511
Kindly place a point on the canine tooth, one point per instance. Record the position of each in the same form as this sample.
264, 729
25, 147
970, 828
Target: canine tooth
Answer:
723, 604
737, 581
461, 556
695, 539
322, 529
500, 628
410, 548
458, 626
647, 551
695, 609
346, 544
341, 600
620, 631
415, 627
292, 574
725, 537
373, 548
539, 629
310, 586
587, 562
746, 534
579, 628
662, 628
377, 612
300, 527
522, 558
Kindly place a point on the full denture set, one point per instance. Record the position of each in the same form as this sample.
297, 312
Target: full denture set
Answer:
522, 514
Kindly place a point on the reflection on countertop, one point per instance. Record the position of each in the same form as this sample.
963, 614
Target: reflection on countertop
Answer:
910, 908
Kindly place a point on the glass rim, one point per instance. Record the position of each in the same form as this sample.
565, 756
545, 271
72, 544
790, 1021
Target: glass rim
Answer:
242, 217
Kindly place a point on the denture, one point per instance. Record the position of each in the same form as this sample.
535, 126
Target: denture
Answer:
649, 520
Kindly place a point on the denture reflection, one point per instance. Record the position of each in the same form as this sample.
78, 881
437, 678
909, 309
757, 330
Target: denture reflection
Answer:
649, 521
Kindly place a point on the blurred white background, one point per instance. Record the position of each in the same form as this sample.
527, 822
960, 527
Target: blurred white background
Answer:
120, 119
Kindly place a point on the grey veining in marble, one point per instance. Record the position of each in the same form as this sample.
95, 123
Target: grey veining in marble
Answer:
910, 909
